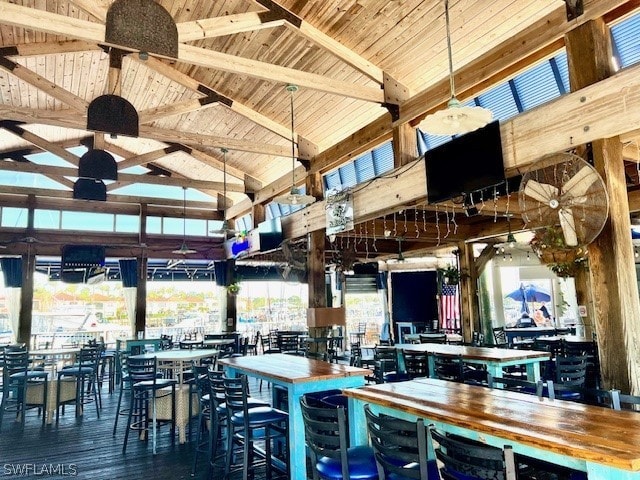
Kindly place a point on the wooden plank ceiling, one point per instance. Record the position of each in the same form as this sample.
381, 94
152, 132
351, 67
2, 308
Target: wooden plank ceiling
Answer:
227, 87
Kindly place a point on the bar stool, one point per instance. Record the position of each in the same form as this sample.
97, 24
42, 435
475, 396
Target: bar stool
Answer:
86, 370
145, 386
16, 379
243, 425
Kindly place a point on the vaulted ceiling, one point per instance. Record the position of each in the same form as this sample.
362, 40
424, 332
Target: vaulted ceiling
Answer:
356, 62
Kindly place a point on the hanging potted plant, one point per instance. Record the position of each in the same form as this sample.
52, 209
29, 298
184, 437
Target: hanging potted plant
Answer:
550, 247
234, 288
450, 275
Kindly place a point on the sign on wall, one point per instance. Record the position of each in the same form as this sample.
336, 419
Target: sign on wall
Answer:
339, 212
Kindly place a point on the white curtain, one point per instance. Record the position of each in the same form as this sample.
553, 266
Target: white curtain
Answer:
130, 304
13, 295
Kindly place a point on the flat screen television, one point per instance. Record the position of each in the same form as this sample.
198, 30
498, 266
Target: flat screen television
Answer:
270, 232
466, 164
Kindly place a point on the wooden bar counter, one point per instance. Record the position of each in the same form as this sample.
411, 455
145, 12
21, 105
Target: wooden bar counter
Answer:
605, 443
298, 375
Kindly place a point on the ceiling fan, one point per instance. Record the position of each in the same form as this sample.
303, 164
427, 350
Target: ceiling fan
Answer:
562, 189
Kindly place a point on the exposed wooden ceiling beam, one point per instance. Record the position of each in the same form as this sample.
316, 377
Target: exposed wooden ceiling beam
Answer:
143, 159
170, 72
43, 21
97, 8
151, 115
225, 25
123, 178
323, 40
48, 48
48, 192
50, 88
40, 142
71, 120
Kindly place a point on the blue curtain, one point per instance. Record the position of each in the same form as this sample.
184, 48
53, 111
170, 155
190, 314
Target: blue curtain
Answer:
129, 272
12, 269
220, 270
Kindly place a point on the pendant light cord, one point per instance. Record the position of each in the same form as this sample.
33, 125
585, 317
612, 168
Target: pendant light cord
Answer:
184, 214
446, 19
293, 146
224, 184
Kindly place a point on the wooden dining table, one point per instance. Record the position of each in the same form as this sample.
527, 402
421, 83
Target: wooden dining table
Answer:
604, 443
299, 375
495, 359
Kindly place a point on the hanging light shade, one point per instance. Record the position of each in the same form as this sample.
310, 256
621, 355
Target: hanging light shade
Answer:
294, 196
456, 119
183, 249
225, 229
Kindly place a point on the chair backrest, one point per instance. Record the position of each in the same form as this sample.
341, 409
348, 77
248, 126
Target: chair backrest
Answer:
477, 339
201, 378
142, 369
517, 385
216, 387
591, 396
433, 337
571, 370
448, 367
400, 446
236, 393
463, 458
326, 433
417, 364
500, 337
623, 401
15, 361
89, 356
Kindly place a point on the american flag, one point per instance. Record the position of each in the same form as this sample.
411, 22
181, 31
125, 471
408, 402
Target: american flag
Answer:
449, 307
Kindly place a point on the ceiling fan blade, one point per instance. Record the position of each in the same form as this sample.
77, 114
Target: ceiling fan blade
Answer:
542, 192
568, 225
578, 185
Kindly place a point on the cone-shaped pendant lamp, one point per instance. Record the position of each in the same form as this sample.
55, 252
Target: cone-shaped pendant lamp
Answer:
456, 119
294, 197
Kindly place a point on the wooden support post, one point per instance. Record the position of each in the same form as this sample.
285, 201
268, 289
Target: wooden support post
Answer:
258, 213
468, 291
405, 147
611, 260
26, 298
315, 263
232, 309
141, 295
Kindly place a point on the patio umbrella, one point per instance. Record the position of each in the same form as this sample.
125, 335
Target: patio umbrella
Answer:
529, 293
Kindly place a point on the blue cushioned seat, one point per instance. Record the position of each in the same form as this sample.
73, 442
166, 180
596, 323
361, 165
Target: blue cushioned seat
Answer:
362, 465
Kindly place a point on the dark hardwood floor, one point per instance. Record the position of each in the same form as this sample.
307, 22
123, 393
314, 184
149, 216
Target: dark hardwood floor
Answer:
85, 447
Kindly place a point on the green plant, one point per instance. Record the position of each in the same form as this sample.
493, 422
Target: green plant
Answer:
234, 288
450, 275
563, 260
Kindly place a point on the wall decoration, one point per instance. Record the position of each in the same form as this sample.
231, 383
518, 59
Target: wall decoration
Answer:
339, 212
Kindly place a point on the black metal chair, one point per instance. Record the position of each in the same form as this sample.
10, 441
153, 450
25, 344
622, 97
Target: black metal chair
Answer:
500, 337
518, 385
16, 379
417, 364
449, 368
623, 401
571, 371
432, 337
146, 388
246, 425
327, 435
85, 370
401, 448
463, 458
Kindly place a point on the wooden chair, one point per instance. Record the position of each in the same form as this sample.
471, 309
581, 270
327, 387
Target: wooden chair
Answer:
400, 447
327, 435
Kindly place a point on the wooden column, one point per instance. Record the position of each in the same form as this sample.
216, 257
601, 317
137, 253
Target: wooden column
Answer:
231, 312
26, 298
405, 145
258, 213
468, 291
141, 295
611, 260
315, 266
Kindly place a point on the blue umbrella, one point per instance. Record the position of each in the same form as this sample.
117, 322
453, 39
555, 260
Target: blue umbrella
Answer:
530, 293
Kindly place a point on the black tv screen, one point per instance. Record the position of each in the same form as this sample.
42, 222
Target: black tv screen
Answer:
270, 232
466, 164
